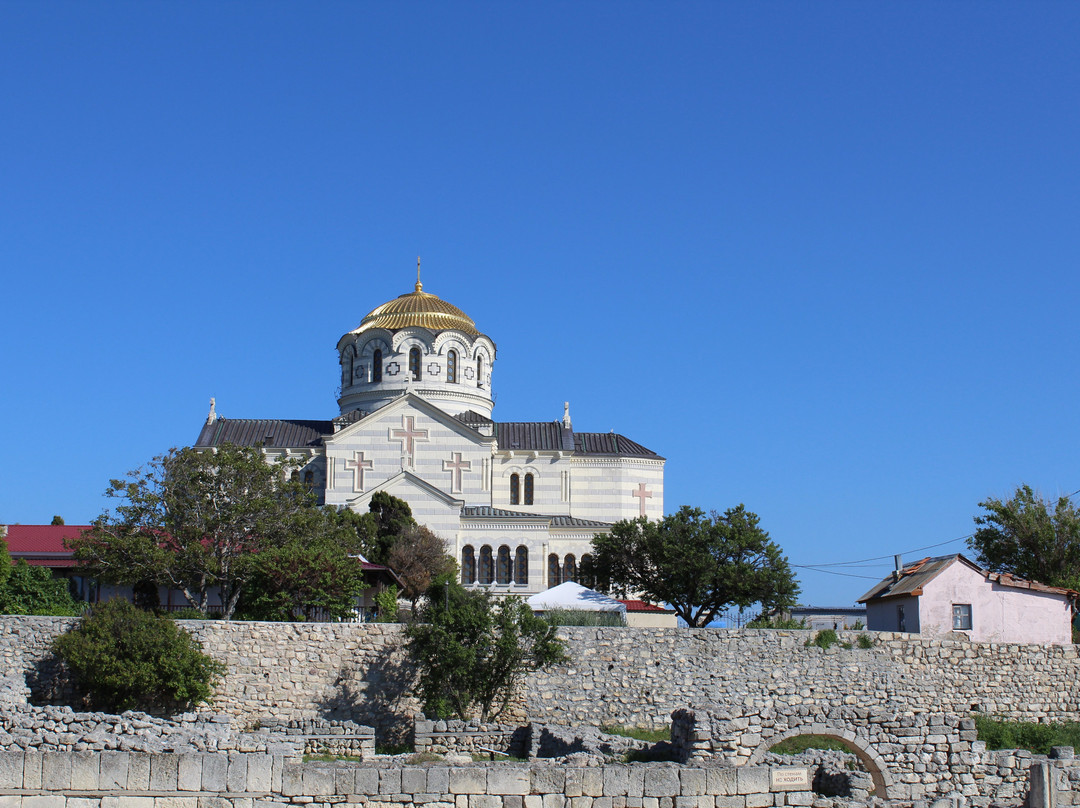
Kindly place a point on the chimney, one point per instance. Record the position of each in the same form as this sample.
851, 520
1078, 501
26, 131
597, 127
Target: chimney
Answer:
898, 562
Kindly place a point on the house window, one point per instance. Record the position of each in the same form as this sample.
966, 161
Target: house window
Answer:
487, 565
451, 367
376, 367
504, 573
414, 363
468, 565
961, 617
515, 483
521, 565
553, 571
901, 626
528, 489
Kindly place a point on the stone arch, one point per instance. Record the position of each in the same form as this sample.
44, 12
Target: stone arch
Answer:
864, 750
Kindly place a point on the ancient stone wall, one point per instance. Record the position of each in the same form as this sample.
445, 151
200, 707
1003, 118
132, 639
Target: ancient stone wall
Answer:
616, 675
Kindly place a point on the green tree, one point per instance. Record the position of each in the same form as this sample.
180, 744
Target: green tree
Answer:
33, 590
418, 557
392, 517
315, 574
57, 520
1030, 537
125, 658
698, 564
5, 556
471, 654
195, 520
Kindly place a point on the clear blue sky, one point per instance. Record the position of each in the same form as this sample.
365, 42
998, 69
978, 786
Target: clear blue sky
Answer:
821, 256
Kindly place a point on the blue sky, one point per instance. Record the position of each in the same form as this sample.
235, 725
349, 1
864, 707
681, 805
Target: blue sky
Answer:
821, 256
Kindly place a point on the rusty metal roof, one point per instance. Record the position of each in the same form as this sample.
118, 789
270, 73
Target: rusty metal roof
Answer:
271, 433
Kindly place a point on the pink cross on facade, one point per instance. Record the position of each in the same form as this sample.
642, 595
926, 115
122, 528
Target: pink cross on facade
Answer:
642, 495
455, 466
357, 466
409, 436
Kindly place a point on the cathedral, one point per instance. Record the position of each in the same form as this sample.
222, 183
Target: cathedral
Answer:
517, 503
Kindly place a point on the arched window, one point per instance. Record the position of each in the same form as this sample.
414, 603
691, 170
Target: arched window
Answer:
528, 489
487, 566
294, 477
503, 571
451, 367
521, 565
479, 371
554, 577
468, 565
569, 568
376, 367
515, 489
414, 363
586, 562
309, 479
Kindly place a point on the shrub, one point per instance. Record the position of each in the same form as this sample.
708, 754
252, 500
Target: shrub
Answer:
580, 617
34, 590
764, 621
865, 641
386, 605
1037, 738
124, 658
824, 638
800, 743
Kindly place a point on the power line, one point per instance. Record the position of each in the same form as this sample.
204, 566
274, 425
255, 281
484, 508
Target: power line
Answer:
882, 557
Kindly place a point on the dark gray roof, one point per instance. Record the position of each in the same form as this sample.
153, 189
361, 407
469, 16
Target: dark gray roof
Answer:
552, 436
556, 521
610, 443
267, 431
472, 417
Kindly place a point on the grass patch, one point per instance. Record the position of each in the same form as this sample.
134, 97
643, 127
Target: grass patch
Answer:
581, 617
638, 733
865, 641
800, 743
393, 749
425, 757
327, 758
776, 622
1037, 738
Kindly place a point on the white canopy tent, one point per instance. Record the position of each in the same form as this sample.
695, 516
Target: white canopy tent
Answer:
573, 596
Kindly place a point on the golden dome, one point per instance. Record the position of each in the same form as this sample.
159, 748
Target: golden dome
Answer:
418, 308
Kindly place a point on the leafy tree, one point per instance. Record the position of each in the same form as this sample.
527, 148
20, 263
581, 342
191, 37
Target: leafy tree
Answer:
125, 658
418, 557
5, 557
57, 520
33, 590
194, 520
472, 654
312, 575
698, 564
1030, 537
392, 517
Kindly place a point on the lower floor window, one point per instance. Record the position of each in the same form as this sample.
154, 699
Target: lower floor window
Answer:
961, 617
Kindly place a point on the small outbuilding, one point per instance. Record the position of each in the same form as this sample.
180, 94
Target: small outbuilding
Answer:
641, 614
951, 595
572, 596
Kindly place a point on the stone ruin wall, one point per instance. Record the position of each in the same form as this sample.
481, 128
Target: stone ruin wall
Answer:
616, 675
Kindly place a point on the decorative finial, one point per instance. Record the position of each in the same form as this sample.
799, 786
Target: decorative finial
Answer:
566, 415
419, 286
213, 415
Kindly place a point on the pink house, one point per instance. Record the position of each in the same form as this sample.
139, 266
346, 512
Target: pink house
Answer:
952, 595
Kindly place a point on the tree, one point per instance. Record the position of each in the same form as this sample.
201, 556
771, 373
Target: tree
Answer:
392, 517
194, 520
418, 557
5, 557
126, 658
698, 564
57, 520
32, 590
472, 655
1029, 537
314, 575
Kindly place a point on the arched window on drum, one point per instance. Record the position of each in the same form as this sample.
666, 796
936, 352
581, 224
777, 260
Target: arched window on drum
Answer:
569, 568
376, 366
503, 571
451, 367
528, 489
487, 565
521, 566
468, 565
515, 489
414, 363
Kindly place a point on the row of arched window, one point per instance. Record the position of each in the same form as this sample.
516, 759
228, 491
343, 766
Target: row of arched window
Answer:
416, 368
566, 571
498, 567
515, 489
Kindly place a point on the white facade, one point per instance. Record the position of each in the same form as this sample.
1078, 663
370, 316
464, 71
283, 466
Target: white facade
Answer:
522, 500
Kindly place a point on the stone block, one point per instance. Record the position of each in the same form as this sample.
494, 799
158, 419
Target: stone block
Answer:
215, 767
616, 780
32, 769
366, 781
138, 772
555, 801
592, 782
260, 771
661, 781
236, 774
686, 802
484, 801
730, 801
438, 780
113, 771
548, 780
413, 780
189, 772
84, 802
573, 785
468, 780
513, 801
693, 782
292, 780
11, 800
56, 771
163, 772
344, 780
318, 781
753, 780
45, 801
85, 771
758, 800
635, 784
11, 769
534, 801
389, 782
801, 798
581, 802
504, 779
176, 802
603, 802
215, 802
276, 767
128, 802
